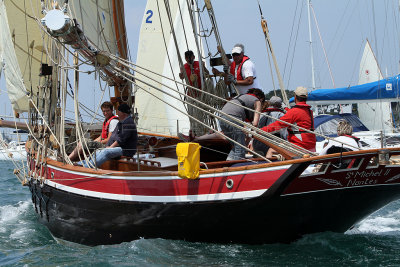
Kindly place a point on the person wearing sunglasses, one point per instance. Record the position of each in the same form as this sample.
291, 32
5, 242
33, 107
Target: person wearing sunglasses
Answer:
242, 72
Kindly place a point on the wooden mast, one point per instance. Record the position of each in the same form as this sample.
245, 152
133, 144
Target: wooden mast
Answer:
121, 92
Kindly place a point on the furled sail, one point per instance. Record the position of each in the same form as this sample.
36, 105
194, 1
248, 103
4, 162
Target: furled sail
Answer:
96, 20
370, 72
157, 52
383, 90
22, 44
103, 24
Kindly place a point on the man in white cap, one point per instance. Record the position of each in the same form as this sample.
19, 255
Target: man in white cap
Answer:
300, 115
241, 72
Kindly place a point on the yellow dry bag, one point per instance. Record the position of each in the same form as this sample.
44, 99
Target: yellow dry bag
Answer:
188, 160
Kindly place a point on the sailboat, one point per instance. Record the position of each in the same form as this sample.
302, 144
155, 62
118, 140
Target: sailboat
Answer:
371, 72
163, 196
11, 149
373, 95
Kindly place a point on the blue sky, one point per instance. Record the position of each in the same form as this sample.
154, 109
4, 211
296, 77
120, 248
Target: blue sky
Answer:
344, 26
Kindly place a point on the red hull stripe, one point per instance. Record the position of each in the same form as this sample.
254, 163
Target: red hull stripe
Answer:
211, 175
170, 186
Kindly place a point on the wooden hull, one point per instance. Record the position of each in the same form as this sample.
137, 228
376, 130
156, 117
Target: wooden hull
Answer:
265, 204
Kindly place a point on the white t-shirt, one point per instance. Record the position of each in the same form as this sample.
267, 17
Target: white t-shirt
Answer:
112, 125
248, 69
349, 143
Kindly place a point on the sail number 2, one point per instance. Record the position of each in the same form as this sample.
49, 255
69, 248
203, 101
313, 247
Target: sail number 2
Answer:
150, 14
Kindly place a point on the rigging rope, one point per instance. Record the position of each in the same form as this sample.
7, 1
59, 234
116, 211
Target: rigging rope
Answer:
129, 64
293, 148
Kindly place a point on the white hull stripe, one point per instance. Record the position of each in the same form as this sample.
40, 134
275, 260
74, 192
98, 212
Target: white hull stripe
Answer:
340, 188
212, 175
162, 199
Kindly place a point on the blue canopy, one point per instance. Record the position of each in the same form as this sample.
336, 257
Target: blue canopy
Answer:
387, 89
327, 124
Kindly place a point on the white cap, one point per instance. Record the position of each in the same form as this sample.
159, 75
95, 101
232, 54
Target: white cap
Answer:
237, 50
300, 91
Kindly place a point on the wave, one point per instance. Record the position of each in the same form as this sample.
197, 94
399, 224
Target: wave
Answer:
11, 213
15, 222
385, 221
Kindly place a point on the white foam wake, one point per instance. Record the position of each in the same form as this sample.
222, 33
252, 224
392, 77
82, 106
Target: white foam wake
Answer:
11, 214
388, 223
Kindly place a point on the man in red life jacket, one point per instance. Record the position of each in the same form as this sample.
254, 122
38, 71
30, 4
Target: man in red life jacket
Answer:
192, 69
300, 115
109, 124
241, 72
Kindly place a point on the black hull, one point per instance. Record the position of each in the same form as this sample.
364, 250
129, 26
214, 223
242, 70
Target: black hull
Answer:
265, 219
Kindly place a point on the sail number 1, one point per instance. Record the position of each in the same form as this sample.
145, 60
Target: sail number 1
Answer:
150, 14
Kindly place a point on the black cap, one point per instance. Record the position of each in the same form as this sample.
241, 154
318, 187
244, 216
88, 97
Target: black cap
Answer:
124, 108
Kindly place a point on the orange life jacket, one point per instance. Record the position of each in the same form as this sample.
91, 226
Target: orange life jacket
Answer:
106, 127
239, 70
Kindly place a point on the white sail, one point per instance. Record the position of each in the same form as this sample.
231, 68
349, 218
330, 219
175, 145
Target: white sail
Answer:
22, 45
370, 72
154, 115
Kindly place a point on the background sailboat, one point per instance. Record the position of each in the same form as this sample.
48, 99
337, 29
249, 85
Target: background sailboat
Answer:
382, 110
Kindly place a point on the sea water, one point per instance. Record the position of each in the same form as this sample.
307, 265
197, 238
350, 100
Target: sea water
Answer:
25, 242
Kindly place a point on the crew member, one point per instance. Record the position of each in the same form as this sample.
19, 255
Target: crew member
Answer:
300, 115
344, 140
109, 124
241, 72
123, 141
192, 68
253, 100
274, 111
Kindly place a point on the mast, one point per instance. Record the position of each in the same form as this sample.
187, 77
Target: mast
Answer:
121, 91
311, 48
221, 50
269, 46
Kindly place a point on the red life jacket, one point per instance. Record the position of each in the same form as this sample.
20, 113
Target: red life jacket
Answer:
106, 127
196, 70
239, 70
302, 116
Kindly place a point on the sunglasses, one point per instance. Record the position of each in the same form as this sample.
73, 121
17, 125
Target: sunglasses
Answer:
235, 54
